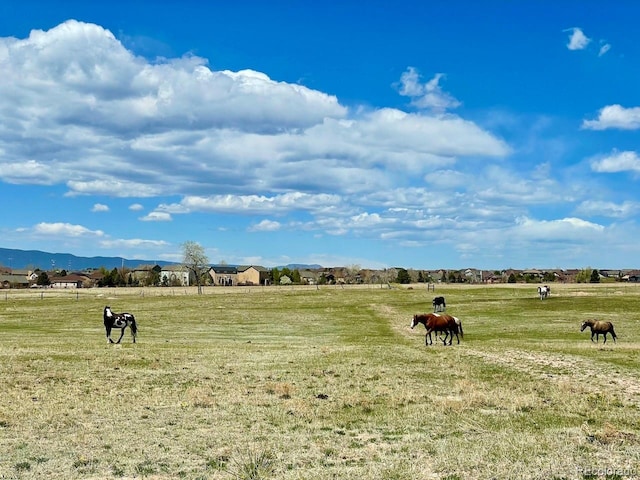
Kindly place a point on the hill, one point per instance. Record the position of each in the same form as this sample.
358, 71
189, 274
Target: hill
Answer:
33, 259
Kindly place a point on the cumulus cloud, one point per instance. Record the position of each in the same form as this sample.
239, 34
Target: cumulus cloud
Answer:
95, 117
570, 228
615, 116
265, 226
135, 207
427, 95
577, 39
157, 217
627, 161
99, 207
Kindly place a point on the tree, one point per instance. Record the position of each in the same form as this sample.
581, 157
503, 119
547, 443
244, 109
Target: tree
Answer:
403, 276
196, 261
595, 276
584, 275
43, 279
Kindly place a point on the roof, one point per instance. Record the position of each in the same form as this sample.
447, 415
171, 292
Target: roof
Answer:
244, 268
225, 269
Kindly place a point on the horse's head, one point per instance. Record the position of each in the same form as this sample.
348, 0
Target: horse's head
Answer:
585, 324
415, 321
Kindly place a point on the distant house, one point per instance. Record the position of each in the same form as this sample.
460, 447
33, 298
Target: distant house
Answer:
224, 275
70, 281
142, 272
308, 277
175, 275
252, 275
633, 276
10, 280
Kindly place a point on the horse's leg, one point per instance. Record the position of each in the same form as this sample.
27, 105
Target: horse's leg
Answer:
605, 337
108, 334
121, 335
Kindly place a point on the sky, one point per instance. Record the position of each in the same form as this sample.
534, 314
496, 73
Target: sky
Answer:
424, 135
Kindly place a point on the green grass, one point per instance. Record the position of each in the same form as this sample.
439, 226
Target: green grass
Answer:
330, 383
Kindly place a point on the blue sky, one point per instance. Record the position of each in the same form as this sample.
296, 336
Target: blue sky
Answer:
485, 134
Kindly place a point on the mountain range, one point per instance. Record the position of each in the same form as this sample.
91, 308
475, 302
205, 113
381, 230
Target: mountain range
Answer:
32, 259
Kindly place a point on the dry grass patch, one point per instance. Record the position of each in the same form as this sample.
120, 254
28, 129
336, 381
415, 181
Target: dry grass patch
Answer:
328, 383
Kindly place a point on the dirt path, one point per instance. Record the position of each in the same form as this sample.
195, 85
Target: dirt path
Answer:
564, 368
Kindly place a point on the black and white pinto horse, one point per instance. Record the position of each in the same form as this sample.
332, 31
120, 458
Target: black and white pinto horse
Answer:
121, 321
439, 305
544, 291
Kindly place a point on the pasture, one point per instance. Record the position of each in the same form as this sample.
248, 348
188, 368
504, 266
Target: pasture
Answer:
329, 383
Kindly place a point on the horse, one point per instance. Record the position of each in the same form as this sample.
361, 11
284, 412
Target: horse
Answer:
121, 321
436, 322
544, 292
599, 327
439, 305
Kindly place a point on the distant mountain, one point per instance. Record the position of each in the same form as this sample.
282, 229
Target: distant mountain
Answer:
301, 266
47, 261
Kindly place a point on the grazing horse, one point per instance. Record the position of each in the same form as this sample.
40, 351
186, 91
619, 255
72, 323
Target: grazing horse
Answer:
544, 291
599, 327
439, 305
436, 322
121, 321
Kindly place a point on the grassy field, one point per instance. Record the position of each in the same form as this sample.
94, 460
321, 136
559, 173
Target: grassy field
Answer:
329, 383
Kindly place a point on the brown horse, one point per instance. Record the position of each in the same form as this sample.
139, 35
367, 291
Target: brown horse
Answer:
439, 322
599, 327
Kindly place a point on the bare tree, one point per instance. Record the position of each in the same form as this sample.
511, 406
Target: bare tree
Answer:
196, 261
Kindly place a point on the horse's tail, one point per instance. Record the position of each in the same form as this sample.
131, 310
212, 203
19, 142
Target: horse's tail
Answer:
613, 333
460, 326
134, 326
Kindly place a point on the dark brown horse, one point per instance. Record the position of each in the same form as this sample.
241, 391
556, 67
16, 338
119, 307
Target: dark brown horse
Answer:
599, 327
439, 322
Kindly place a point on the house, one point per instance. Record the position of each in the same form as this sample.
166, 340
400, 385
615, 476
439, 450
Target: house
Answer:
10, 280
142, 273
175, 275
224, 275
252, 275
632, 276
73, 280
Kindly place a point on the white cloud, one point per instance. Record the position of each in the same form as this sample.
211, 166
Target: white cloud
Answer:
617, 162
157, 217
625, 209
65, 230
99, 207
253, 204
615, 116
104, 122
266, 226
577, 39
604, 48
135, 207
427, 95
570, 228
133, 243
